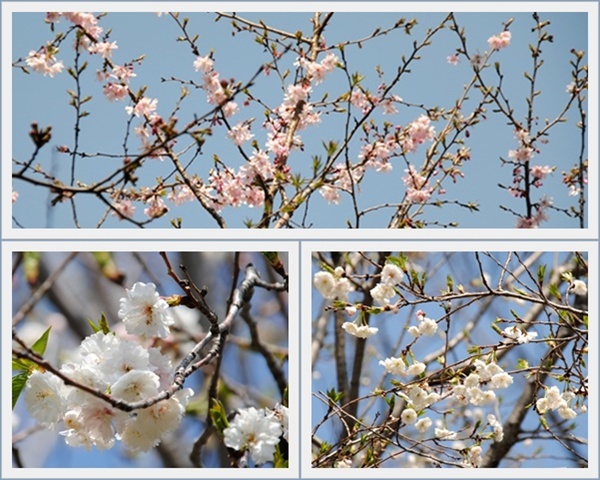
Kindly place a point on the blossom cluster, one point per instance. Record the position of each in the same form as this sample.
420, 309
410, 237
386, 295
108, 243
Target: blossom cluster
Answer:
553, 399
377, 154
478, 387
517, 335
126, 370
384, 291
502, 40
257, 432
426, 326
333, 285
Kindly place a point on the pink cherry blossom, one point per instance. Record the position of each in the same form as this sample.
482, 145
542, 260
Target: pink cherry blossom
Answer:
261, 165
44, 62
539, 172
123, 72
521, 154
203, 63
114, 91
421, 130
156, 207
181, 195
329, 193
104, 49
144, 107
499, 41
240, 133
230, 109
453, 59
125, 208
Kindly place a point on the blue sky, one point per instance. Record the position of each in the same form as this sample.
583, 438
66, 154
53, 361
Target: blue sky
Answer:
432, 82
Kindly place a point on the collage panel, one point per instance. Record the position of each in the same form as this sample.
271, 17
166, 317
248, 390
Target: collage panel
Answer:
453, 363
292, 119
145, 361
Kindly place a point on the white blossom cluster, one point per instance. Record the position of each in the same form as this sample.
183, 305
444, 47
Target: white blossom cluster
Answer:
478, 387
144, 313
122, 368
396, 366
384, 291
554, 400
257, 432
517, 335
333, 285
426, 326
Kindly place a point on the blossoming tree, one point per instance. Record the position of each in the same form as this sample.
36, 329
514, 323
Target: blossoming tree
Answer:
449, 360
189, 374
274, 121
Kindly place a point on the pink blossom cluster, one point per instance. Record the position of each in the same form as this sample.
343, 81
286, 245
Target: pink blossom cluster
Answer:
317, 71
539, 172
377, 154
156, 206
104, 49
86, 21
502, 40
215, 87
183, 193
295, 111
44, 62
417, 190
235, 189
418, 131
117, 88
343, 180
240, 133
521, 154
124, 208
540, 215
362, 100
145, 107
453, 59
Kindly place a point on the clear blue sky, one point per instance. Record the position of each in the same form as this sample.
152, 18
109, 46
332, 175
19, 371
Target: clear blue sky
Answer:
432, 81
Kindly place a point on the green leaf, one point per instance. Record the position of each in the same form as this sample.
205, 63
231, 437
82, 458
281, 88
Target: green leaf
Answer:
218, 416
31, 267
103, 324
22, 364
449, 283
541, 273
522, 364
279, 461
554, 291
398, 261
95, 328
18, 384
334, 396
41, 343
